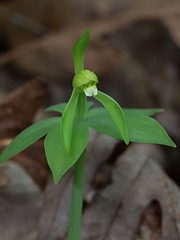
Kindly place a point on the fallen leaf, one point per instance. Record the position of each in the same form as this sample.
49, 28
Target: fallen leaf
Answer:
150, 225
3, 179
17, 112
20, 203
51, 54
118, 210
18, 109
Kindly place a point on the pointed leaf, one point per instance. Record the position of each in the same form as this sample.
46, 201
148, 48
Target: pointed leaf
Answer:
68, 120
116, 113
146, 129
96, 112
100, 120
56, 108
61, 107
147, 112
78, 51
88, 107
58, 159
141, 128
28, 137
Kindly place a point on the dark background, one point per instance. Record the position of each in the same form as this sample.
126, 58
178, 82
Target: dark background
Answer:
133, 49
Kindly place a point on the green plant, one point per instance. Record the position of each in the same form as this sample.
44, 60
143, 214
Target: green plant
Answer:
67, 136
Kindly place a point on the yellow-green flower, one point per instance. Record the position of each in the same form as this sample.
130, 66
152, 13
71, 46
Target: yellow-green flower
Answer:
86, 82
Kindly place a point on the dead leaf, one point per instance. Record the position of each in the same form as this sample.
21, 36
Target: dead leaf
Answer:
3, 179
172, 23
33, 160
118, 210
150, 224
18, 108
51, 55
20, 203
17, 112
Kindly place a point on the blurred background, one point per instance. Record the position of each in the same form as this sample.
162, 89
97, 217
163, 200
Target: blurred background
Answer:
134, 49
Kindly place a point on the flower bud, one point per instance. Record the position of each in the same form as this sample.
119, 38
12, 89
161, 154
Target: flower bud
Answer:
86, 81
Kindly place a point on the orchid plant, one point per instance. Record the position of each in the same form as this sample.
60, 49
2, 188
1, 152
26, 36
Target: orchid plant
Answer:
67, 136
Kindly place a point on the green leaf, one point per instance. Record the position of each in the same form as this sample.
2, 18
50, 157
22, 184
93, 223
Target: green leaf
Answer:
96, 112
141, 128
147, 112
145, 129
68, 120
61, 107
58, 158
78, 51
28, 137
100, 120
116, 113
56, 108
88, 107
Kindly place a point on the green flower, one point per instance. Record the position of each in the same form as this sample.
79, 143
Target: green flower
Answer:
86, 82
90, 90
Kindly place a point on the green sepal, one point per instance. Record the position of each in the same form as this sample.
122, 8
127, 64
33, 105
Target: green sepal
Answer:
78, 51
58, 158
67, 121
84, 79
116, 113
28, 137
141, 127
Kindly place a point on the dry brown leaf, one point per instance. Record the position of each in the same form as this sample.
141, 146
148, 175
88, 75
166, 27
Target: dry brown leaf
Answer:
52, 54
33, 160
172, 23
150, 225
20, 203
3, 179
16, 113
52, 14
18, 108
118, 210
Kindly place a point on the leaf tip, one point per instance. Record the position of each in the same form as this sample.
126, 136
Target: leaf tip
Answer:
3, 156
126, 141
56, 180
1, 160
68, 147
173, 145
65, 139
47, 109
87, 31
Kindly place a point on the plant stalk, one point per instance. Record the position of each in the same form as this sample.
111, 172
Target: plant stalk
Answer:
77, 199
81, 107
78, 182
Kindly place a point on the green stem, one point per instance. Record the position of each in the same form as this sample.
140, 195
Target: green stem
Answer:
77, 199
81, 107
78, 183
